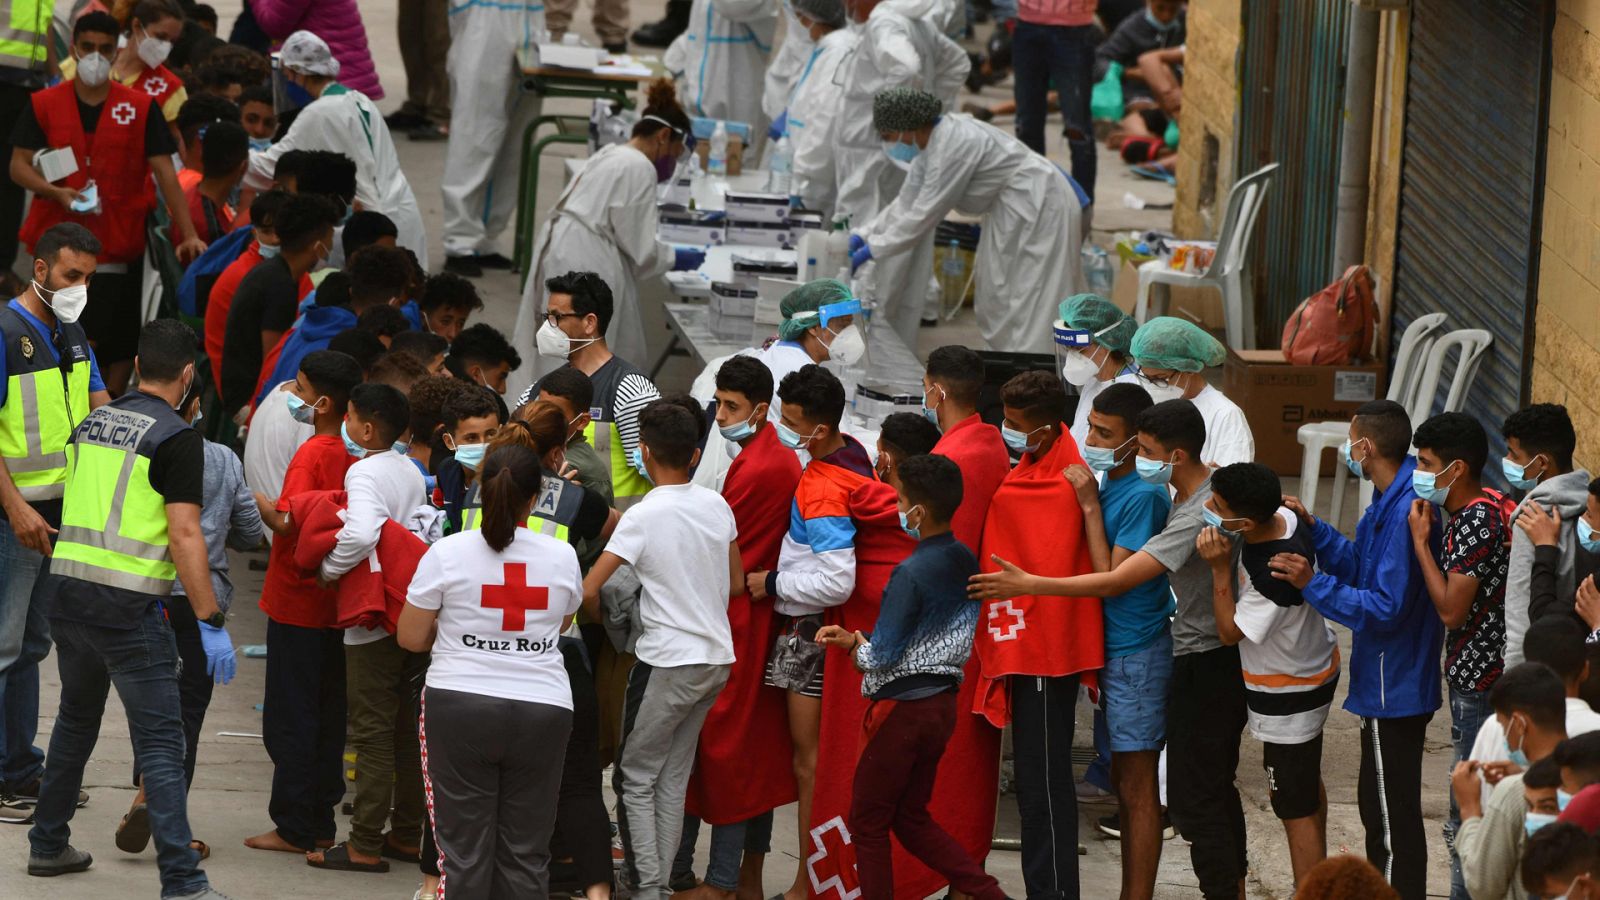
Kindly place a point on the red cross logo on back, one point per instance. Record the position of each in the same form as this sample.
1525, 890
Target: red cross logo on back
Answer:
1005, 620
833, 866
515, 597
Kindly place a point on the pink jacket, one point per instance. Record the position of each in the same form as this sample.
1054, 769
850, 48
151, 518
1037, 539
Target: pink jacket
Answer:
337, 22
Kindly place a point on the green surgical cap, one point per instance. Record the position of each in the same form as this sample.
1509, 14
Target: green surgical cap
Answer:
904, 109
1110, 326
1178, 344
808, 299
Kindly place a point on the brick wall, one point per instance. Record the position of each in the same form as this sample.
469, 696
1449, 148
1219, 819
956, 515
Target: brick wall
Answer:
1566, 350
1210, 101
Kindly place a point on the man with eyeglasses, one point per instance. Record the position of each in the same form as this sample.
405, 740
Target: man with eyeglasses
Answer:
52, 383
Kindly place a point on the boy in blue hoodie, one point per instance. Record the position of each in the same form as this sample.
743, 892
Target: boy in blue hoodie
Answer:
1374, 587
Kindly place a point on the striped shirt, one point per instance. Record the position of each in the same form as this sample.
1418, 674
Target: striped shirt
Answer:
1289, 656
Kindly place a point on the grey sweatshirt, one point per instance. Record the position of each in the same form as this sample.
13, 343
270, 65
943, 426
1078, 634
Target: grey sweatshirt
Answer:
1569, 494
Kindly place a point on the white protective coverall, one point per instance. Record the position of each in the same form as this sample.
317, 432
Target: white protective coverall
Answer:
1028, 256
604, 222
348, 122
488, 112
786, 65
813, 121
901, 45
720, 62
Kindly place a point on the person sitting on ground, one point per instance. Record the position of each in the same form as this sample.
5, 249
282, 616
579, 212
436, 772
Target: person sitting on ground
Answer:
1162, 27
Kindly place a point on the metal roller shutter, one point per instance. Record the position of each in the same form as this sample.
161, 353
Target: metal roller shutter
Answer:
1471, 190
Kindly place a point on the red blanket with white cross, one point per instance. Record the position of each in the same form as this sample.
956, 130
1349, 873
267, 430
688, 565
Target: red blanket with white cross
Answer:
1035, 522
964, 794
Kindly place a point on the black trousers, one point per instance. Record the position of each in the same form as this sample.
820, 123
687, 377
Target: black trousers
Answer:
303, 727
194, 685
1042, 721
13, 99
580, 848
1390, 797
1205, 718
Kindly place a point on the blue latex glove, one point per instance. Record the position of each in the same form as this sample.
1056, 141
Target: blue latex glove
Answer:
713, 215
687, 259
859, 257
779, 125
795, 202
856, 243
220, 662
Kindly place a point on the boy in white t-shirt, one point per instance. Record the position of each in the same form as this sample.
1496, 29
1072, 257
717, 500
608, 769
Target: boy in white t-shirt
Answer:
1286, 649
379, 674
680, 541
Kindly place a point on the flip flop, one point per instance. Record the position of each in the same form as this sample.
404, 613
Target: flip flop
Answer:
1154, 174
133, 835
337, 858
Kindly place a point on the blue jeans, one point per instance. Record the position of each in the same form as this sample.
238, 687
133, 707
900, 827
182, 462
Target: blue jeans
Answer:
143, 664
1099, 771
1468, 711
1061, 56
729, 844
24, 641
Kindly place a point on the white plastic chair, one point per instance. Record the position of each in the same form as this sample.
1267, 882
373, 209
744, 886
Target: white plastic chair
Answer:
1226, 272
1318, 437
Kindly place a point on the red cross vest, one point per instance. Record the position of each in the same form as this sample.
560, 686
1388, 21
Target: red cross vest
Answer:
159, 84
116, 160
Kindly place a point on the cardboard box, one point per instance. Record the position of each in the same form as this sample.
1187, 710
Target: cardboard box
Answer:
1278, 398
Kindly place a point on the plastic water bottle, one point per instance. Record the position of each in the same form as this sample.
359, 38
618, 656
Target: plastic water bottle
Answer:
952, 269
717, 160
1098, 272
780, 169
838, 247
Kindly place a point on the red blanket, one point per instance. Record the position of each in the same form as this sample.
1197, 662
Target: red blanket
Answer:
1035, 522
964, 796
374, 592
977, 449
744, 762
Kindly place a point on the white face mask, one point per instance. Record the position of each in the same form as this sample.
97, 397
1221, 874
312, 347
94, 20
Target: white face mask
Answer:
554, 343
1161, 392
93, 70
67, 303
1079, 369
848, 345
153, 51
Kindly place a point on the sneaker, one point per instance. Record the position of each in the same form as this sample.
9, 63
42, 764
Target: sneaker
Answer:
16, 812
421, 895
465, 266
210, 893
1091, 793
1111, 826
28, 795
69, 861
494, 261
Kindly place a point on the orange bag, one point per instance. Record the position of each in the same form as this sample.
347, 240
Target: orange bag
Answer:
1335, 325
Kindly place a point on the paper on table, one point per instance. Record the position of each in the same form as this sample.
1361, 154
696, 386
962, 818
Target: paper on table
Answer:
623, 64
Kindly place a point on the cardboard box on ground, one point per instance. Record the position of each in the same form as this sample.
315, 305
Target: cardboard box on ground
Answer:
1277, 398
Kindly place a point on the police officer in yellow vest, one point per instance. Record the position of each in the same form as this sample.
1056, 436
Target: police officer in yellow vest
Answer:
574, 330
51, 384
130, 526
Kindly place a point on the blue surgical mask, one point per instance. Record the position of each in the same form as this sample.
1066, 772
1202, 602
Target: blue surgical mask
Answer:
900, 154
1519, 755
401, 447
471, 455
1518, 474
1215, 520
931, 413
300, 410
1159, 25
1350, 462
1587, 539
1018, 440
1104, 459
298, 96
739, 431
790, 438
350, 446
638, 464
1533, 821
260, 145
916, 533
1153, 471
268, 251
1562, 799
1427, 487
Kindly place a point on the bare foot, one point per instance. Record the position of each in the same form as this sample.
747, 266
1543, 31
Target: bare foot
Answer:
272, 841
356, 856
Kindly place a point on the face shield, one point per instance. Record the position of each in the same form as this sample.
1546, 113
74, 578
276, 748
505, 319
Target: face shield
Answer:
1074, 348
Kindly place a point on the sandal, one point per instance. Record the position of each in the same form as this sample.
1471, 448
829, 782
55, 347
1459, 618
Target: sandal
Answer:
133, 835
396, 852
337, 858
202, 848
